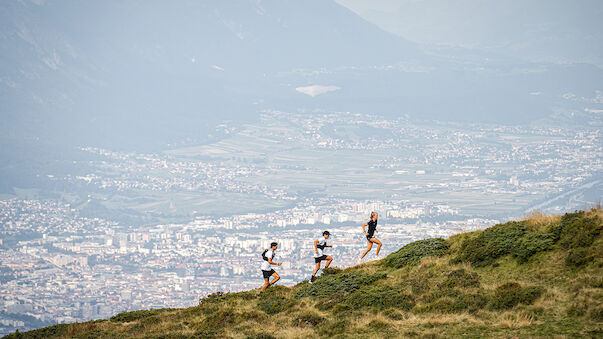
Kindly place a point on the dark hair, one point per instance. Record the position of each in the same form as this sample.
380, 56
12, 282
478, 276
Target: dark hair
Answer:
273, 244
326, 233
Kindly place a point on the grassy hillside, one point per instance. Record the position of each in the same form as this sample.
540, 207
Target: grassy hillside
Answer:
538, 277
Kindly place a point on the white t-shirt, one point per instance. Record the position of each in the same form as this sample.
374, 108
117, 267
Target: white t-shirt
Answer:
321, 242
265, 263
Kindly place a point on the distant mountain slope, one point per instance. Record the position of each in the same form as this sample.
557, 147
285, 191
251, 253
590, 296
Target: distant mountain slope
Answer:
559, 31
539, 277
141, 74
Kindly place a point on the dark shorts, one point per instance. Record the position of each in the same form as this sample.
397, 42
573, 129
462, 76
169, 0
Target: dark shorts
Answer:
321, 258
268, 274
369, 237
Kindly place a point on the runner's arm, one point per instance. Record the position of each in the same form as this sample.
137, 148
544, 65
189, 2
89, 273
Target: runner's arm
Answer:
363, 229
273, 263
315, 248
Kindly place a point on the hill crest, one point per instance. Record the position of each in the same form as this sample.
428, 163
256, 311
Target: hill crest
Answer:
536, 277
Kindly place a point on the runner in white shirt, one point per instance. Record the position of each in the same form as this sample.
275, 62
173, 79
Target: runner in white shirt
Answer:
319, 246
267, 270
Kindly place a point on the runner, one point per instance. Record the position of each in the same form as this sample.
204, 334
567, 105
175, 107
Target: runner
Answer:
267, 270
370, 235
319, 246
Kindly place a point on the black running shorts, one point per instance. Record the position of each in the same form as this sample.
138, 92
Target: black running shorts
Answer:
321, 258
369, 237
268, 274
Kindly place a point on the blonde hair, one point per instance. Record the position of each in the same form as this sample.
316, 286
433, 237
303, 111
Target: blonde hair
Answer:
372, 214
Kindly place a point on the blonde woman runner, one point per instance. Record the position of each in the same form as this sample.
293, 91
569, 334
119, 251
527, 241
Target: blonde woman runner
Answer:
370, 235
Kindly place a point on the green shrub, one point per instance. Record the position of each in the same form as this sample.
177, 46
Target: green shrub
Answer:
380, 297
491, 243
126, 317
530, 244
460, 278
577, 230
511, 294
412, 253
348, 282
577, 257
273, 305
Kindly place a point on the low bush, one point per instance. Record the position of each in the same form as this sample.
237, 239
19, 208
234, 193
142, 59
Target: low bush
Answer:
460, 278
577, 229
577, 257
412, 253
530, 244
491, 243
380, 298
502, 239
511, 294
273, 304
345, 283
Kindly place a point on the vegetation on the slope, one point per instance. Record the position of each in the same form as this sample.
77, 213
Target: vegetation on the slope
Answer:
538, 277
412, 253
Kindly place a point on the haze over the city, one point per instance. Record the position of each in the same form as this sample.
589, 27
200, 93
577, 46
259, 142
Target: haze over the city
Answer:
137, 135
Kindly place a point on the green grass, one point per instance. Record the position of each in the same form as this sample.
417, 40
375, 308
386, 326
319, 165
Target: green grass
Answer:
539, 277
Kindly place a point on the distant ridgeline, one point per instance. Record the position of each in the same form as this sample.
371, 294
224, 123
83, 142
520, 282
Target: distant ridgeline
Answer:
541, 276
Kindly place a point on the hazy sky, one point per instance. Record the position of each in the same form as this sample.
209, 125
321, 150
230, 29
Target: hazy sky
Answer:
543, 30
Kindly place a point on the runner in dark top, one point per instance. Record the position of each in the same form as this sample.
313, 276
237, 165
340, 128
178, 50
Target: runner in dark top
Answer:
370, 235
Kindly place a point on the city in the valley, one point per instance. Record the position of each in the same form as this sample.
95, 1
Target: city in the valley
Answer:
128, 231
